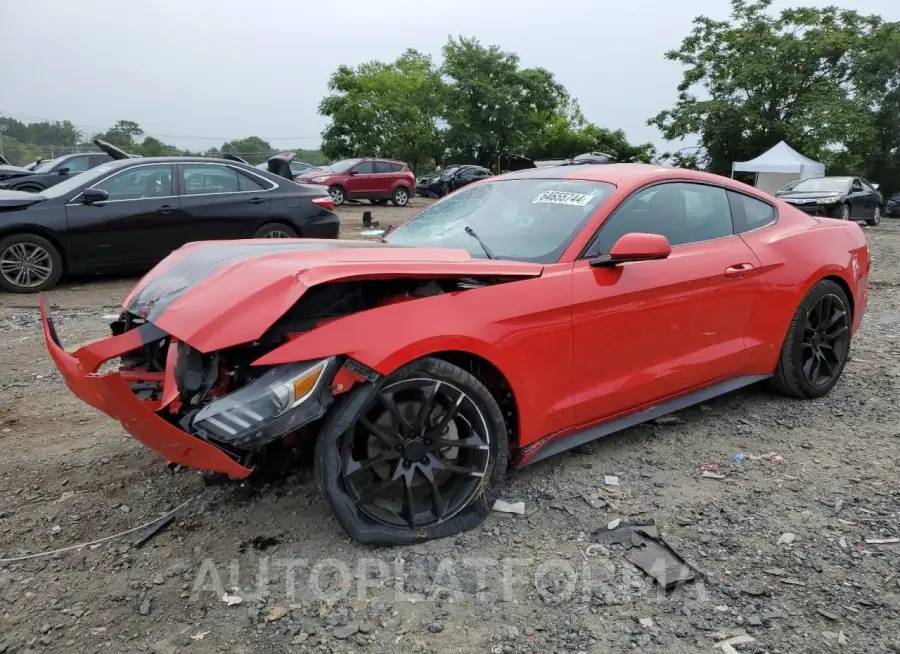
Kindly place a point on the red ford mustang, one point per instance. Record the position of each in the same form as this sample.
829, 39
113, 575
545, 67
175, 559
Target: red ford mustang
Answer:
511, 320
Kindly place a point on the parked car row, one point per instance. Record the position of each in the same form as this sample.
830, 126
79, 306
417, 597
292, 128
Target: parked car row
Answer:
846, 198
130, 213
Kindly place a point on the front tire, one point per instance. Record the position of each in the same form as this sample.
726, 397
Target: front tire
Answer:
28, 264
817, 344
337, 195
420, 454
876, 217
844, 213
400, 197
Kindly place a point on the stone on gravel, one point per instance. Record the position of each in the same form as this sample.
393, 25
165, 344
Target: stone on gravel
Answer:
343, 633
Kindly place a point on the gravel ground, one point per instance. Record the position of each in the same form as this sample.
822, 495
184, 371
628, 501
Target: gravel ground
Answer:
781, 544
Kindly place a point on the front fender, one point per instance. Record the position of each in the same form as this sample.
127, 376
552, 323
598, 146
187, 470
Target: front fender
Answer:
522, 328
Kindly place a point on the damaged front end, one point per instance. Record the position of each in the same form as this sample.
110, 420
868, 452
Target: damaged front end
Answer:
213, 412
220, 411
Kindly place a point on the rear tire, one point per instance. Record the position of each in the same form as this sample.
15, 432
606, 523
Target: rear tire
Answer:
808, 338
30, 188
876, 217
28, 264
439, 494
275, 230
400, 197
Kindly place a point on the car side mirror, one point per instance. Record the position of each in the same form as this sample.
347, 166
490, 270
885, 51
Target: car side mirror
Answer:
94, 195
62, 171
875, 186
635, 246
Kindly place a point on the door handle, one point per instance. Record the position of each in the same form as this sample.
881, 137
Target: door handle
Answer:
738, 270
166, 208
256, 200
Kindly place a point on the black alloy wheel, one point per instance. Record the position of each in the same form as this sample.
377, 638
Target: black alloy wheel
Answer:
825, 340
817, 344
417, 456
420, 455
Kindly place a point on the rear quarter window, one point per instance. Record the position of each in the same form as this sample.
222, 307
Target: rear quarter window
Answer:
749, 213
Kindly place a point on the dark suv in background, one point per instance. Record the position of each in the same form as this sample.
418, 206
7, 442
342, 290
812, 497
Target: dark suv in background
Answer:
366, 178
441, 182
53, 171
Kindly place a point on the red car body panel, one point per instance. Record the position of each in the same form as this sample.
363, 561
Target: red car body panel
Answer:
111, 394
579, 346
252, 293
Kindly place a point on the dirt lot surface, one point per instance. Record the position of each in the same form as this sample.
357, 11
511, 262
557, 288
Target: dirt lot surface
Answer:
781, 543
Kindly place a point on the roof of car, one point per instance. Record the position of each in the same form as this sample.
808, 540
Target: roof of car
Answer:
172, 159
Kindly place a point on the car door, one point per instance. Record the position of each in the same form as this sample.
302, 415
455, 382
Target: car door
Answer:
131, 227
858, 200
220, 202
649, 330
464, 176
871, 198
384, 178
360, 179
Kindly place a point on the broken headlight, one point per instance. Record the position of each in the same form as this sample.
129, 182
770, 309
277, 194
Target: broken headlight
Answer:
281, 400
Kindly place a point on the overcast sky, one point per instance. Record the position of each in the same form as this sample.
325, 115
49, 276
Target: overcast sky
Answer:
223, 69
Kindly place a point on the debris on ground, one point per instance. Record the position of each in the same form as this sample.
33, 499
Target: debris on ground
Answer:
232, 600
713, 475
153, 531
882, 541
787, 538
739, 457
594, 501
669, 420
649, 552
506, 507
610, 480
709, 467
370, 233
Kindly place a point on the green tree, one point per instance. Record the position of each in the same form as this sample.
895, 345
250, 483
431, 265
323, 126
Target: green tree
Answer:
252, 148
759, 78
493, 106
153, 147
568, 133
385, 109
123, 134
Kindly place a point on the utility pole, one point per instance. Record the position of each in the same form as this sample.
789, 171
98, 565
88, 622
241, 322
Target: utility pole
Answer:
2, 129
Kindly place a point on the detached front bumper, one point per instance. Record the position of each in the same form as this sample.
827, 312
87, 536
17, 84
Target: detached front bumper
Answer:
111, 394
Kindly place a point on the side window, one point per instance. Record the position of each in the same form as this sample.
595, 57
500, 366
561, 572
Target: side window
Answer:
208, 178
481, 173
384, 167
867, 187
154, 181
248, 183
397, 168
749, 213
683, 212
855, 186
97, 159
76, 164
365, 168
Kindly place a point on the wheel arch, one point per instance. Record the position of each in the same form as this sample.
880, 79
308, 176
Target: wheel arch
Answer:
43, 232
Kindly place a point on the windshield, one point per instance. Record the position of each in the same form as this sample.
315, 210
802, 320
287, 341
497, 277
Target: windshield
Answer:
47, 165
518, 219
341, 166
76, 181
833, 184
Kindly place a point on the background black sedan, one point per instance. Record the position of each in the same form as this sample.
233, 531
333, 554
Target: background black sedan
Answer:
129, 214
442, 182
49, 173
892, 206
847, 198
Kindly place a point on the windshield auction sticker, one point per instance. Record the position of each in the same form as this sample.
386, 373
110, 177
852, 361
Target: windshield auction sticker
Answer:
563, 197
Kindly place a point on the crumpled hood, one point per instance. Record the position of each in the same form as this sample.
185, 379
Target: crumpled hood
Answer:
216, 294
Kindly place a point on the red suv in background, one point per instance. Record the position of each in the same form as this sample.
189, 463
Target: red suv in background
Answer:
378, 180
